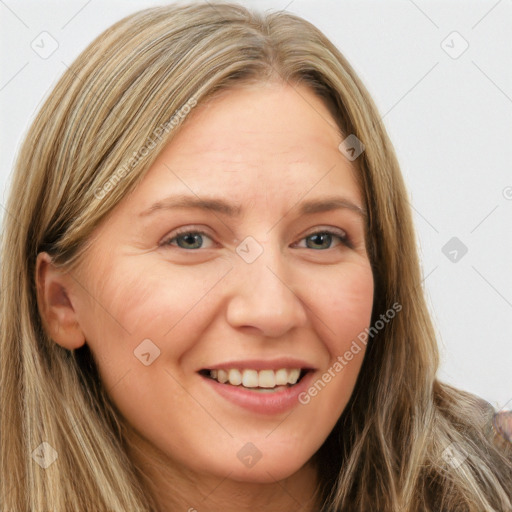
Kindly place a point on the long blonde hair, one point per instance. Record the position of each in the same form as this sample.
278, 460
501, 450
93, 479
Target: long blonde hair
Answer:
388, 449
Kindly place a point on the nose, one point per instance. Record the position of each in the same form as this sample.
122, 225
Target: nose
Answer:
263, 297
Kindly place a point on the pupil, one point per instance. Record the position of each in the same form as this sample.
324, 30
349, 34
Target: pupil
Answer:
317, 239
191, 239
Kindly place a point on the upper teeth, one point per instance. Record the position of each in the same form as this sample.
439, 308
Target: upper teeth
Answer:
255, 378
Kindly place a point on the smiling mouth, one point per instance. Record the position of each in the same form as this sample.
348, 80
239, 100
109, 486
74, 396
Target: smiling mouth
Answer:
254, 380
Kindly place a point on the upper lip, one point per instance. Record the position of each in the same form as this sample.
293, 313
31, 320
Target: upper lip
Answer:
262, 364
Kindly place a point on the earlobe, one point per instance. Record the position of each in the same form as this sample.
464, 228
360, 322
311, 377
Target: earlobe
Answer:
55, 306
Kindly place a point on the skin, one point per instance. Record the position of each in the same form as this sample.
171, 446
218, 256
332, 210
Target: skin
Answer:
267, 147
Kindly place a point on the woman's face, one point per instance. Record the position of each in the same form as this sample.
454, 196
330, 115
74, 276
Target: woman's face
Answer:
271, 279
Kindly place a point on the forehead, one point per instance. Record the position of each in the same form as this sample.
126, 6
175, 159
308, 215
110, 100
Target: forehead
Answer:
259, 117
268, 139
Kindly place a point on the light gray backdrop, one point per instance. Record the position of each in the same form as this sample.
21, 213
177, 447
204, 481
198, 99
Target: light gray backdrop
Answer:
441, 75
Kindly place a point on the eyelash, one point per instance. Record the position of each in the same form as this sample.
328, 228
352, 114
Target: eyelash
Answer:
344, 238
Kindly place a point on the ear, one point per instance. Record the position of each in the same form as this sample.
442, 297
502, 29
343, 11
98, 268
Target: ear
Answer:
55, 307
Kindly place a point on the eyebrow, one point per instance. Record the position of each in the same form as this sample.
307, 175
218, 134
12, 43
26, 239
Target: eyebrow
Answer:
325, 204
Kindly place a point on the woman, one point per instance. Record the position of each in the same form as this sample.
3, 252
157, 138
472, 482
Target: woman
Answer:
211, 291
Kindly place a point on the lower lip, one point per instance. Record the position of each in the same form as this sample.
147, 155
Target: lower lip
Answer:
262, 402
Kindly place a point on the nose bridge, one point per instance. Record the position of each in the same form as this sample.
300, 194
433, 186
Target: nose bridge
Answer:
263, 296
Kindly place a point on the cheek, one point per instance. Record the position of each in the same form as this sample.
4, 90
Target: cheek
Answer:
345, 304
135, 304
342, 306
173, 307
345, 309
165, 294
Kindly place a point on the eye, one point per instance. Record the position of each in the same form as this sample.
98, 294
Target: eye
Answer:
187, 239
323, 239
193, 239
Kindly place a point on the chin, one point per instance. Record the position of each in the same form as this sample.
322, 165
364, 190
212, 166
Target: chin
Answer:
263, 474
270, 468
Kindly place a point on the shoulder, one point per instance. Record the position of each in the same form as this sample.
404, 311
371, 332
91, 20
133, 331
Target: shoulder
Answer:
495, 425
499, 423
502, 424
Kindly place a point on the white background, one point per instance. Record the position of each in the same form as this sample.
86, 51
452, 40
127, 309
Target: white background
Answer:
450, 120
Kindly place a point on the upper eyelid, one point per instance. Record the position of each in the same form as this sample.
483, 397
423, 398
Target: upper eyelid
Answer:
193, 228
